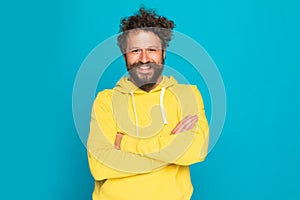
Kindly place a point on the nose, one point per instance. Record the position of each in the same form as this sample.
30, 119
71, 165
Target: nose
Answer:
144, 57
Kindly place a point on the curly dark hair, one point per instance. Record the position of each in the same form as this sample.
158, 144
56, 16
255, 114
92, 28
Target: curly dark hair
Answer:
146, 20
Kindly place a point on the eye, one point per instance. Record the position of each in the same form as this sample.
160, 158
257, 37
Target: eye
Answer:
135, 51
152, 50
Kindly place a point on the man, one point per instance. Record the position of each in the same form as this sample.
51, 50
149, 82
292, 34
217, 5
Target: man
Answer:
146, 131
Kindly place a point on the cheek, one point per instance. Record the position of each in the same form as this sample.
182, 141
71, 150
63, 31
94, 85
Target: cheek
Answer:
158, 58
131, 59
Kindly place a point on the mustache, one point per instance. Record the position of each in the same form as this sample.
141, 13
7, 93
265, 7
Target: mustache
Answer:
148, 64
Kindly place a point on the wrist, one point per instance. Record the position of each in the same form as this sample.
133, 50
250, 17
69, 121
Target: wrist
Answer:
118, 141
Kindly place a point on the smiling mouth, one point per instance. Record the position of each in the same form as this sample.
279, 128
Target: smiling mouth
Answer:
144, 69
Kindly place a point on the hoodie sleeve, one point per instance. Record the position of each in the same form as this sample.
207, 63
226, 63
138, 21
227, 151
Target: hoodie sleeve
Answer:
104, 160
183, 148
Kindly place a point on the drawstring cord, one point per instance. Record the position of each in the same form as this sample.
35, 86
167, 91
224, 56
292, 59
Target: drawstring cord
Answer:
135, 114
162, 109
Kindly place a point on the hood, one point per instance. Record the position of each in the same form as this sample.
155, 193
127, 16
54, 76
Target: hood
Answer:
125, 86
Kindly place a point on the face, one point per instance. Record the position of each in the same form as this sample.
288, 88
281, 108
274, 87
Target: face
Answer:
144, 58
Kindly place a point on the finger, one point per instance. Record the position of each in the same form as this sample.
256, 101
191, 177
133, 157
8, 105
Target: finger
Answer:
175, 130
180, 124
190, 120
189, 124
183, 123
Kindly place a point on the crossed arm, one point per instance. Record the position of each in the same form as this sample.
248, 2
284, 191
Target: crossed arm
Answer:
107, 161
186, 144
185, 124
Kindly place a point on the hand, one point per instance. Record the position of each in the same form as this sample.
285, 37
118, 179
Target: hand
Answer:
118, 140
185, 124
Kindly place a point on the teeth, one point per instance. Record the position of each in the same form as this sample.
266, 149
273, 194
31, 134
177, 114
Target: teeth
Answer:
145, 67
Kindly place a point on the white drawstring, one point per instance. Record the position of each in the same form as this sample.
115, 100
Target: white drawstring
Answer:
135, 114
161, 100
162, 109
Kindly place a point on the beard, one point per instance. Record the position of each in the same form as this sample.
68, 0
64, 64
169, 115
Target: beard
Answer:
147, 80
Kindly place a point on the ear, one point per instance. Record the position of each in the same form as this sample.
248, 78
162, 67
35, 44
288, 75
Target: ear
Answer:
125, 59
164, 54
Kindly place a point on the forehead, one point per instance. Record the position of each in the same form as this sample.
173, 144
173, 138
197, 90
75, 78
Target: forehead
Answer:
142, 39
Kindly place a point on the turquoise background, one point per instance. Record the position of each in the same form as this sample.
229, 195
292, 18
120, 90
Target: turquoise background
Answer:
255, 45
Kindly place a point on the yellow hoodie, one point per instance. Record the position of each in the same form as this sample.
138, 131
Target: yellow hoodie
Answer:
152, 164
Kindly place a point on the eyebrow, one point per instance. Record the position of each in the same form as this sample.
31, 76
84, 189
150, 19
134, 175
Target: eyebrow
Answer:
156, 47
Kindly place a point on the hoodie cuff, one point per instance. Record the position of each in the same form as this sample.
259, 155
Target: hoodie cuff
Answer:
128, 144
